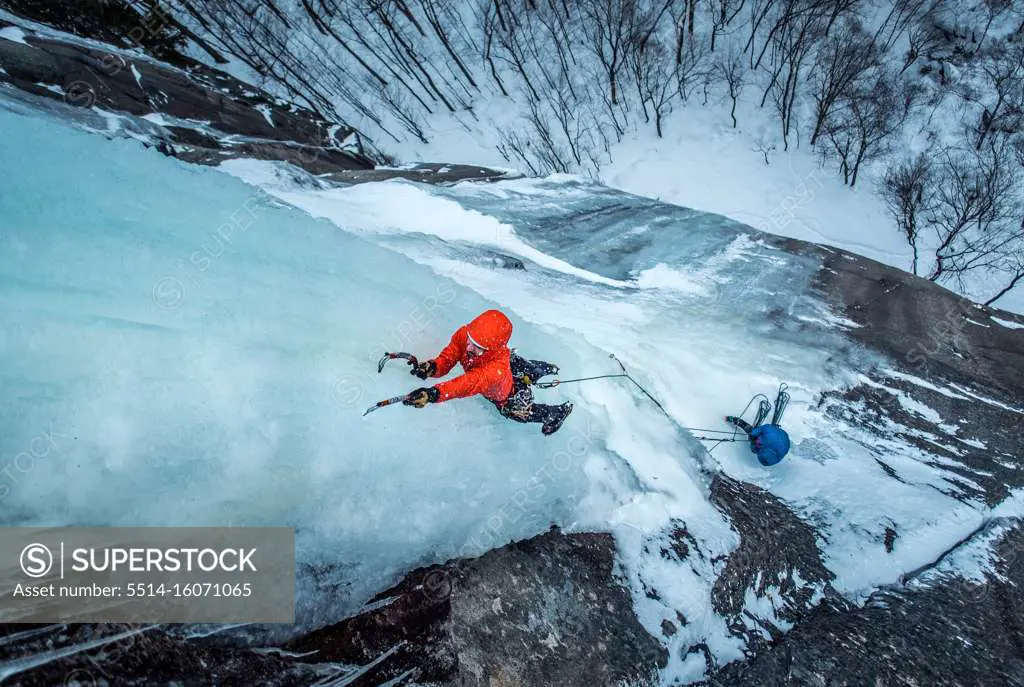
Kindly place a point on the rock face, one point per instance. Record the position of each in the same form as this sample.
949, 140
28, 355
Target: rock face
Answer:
428, 172
943, 631
545, 611
932, 338
923, 327
777, 549
200, 114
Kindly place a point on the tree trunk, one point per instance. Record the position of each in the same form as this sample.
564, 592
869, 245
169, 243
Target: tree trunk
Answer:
1009, 287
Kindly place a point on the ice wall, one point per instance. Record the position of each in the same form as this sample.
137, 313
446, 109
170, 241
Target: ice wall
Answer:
178, 348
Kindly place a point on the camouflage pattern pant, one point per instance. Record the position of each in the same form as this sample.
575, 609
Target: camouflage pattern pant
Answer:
519, 405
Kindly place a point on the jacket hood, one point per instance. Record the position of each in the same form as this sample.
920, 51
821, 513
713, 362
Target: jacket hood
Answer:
491, 329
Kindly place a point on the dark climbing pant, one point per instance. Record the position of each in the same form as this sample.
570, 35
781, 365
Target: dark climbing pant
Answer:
745, 426
742, 424
519, 405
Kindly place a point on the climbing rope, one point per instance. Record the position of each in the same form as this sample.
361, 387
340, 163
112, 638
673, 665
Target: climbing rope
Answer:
550, 385
718, 440
553, 384
764, 406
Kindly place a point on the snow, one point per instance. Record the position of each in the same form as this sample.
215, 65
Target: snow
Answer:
964, 394
136, 74
383, 208
266, 112
156, 118
51, 87
1009, 324
974, 560
705, 164
13, 33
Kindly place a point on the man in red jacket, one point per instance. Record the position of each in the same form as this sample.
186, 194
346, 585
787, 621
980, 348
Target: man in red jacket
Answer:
491, 370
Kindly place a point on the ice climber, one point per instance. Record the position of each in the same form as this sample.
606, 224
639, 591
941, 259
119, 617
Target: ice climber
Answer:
770, 442
491, 370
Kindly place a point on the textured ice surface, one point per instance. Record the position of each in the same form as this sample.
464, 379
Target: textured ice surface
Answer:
199, 356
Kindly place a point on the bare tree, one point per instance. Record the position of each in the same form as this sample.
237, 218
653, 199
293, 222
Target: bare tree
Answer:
1004, 73
654, 74
609, 26
993, 10
923, 38
975, 215
1015, 273
732, 71
723, 12
791, 41
837, 9
844, 59
902, 15
861, 127
488, 18
692, 69
907, 189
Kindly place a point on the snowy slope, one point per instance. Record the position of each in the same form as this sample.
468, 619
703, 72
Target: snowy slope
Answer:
743, 173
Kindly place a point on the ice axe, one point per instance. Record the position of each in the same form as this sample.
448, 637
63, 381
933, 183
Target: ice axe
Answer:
386, 402
408, 357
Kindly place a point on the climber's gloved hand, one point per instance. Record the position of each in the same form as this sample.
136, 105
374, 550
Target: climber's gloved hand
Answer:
421, 397
424, 369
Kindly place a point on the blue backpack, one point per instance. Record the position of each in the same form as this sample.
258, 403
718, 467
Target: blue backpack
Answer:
770, 443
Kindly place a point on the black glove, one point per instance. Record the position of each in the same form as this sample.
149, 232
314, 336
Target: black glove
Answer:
421, 397
424, 370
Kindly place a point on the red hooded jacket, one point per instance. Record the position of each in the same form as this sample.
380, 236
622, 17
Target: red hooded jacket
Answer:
488, 374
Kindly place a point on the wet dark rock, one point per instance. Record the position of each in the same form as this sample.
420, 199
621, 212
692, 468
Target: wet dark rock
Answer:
777, 552
207, 115
427, 172
922, 327
507, 262
979, 455
134, 655
941, 351
545, 610
114, 22
488, 258
890, 539
946, 630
